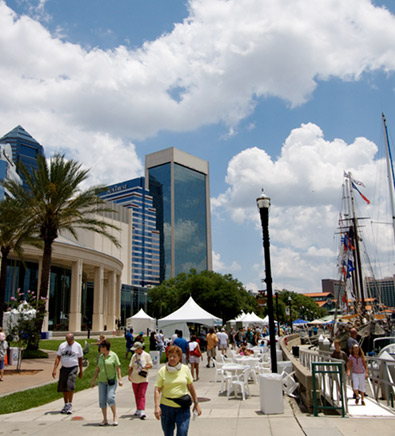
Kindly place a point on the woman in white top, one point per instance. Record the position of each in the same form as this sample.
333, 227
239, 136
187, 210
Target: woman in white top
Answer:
195, 355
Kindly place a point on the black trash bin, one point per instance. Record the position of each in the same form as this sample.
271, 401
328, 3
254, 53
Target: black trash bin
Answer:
295, 351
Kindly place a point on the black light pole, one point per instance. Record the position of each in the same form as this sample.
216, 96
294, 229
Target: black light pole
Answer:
263, 203
290, 313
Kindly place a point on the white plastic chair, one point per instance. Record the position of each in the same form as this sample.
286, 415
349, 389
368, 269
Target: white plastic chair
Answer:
218, 369
289, 383
240, 382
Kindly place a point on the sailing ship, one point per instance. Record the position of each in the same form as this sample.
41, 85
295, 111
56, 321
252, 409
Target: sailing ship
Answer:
352, 296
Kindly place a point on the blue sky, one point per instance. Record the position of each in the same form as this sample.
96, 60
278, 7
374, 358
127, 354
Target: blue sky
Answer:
283, 95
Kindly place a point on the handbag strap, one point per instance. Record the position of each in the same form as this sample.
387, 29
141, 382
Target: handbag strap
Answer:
104, 364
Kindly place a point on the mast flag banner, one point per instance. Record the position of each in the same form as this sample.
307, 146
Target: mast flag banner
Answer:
360, 193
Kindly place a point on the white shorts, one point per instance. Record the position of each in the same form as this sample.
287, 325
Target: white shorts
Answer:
194, 359
222, 346
358, 382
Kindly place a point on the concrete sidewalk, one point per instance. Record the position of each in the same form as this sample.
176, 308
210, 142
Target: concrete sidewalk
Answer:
231, 417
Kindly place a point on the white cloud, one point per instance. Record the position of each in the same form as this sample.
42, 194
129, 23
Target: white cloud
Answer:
304, 184
221, 59
220, 266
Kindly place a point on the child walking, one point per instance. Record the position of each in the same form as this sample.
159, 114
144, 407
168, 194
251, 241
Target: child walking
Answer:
358, 369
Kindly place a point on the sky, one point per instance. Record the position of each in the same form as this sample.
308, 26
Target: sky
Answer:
283, 95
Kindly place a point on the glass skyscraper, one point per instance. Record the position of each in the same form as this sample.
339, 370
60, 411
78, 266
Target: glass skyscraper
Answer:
25, 148
145, 237
179, 184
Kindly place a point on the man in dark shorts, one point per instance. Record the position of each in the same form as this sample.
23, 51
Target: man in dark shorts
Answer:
70, 355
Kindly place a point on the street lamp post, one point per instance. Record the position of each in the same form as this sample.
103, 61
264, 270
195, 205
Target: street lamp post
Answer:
263, 203
290, 313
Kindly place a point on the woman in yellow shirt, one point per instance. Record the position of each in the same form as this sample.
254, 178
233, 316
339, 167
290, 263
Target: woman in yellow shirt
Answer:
173, 385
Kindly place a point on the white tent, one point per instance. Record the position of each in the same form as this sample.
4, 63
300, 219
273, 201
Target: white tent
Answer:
252, 318
190, 312
141, 322
265, 320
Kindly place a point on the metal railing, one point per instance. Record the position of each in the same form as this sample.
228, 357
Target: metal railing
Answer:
329, 380
331, 386
381, 380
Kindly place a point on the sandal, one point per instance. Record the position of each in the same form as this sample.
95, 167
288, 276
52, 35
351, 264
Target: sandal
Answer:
357, 400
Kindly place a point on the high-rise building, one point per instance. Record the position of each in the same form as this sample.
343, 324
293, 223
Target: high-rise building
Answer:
7, 170
145, 237
179, 185
25, 148
382, 289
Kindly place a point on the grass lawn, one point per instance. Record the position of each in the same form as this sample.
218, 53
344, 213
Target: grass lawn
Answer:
45, 394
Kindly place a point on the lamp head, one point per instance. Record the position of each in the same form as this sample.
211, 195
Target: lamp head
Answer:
263, 201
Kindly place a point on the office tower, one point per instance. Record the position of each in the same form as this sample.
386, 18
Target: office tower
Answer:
25, 148
179, 185
7, 170
145, 238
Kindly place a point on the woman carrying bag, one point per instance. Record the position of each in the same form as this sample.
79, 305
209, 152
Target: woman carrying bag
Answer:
108, 373
195, 355
139, 365
173, 391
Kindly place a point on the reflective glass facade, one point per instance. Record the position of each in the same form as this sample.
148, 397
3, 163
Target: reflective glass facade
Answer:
145, 236
180, 196
190, 223
25, 148
160, 188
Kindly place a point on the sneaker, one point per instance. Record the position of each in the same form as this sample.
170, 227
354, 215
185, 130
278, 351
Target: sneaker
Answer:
69, 410
207, 366
137, 413
64, 410
143, 415
357, 400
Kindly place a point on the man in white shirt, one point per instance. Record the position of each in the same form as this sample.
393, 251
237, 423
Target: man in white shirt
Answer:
70, 355
223, 341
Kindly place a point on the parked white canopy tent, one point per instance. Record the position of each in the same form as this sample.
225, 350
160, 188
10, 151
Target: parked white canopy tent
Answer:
190, 312
252, 318
141, 322
266, 320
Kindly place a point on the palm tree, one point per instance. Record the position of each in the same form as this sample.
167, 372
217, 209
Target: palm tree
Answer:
55, 203
14, 232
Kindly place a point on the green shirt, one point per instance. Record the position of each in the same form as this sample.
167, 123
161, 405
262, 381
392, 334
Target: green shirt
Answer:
111, 362
173, 384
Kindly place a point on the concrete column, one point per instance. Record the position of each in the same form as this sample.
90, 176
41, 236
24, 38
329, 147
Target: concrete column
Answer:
118, 286
111, 301
98, 300
75, 297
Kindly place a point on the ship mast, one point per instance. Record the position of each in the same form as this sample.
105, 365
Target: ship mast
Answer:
390, 172
358, 284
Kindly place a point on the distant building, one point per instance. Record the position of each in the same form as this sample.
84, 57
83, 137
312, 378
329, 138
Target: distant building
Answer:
144, 238
25, 149
7, 170
382, 289
179, 185
324, 300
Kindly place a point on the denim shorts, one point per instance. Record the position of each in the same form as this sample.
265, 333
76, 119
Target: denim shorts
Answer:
107, 394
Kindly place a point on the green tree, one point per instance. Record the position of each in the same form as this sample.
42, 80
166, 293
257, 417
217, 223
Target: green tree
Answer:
54, 203
15, 230
221, 295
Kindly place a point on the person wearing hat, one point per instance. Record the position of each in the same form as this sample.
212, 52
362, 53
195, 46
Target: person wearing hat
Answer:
3, 352
139, 365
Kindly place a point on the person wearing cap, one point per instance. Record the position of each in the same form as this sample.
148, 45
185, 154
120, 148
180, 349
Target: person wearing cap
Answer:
223, 341
139, 365
3, 351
